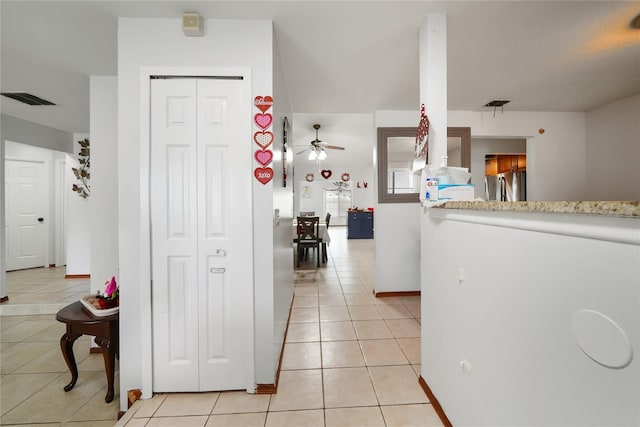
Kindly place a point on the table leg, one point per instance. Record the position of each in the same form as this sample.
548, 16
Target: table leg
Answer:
66, 344
109, 355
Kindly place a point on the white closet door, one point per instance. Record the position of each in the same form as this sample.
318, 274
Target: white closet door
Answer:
201, 235
26, 201
174, 222
225, 235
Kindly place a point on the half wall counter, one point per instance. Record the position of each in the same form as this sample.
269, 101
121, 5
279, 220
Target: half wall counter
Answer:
534, 311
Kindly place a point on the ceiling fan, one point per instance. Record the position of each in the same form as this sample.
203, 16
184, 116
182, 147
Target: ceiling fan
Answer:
317, 148
340, 187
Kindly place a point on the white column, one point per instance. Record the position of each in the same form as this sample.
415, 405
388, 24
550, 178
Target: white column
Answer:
104, 184
3, 275
433, 82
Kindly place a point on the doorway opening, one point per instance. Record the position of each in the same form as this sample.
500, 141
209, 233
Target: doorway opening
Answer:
35, 233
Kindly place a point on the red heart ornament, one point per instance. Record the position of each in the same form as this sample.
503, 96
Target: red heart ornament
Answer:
326, 173
263, 157
264, 175
263, 120
263, 139
263, 103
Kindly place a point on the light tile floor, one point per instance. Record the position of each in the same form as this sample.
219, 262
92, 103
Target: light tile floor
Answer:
33, 371
33, 374
41, 291
350, 359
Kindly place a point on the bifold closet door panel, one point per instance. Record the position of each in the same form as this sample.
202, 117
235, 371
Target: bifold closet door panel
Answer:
174, 234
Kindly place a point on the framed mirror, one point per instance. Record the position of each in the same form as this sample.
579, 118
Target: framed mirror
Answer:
397, 182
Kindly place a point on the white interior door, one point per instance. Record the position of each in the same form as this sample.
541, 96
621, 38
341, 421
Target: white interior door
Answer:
202, 292
26, 210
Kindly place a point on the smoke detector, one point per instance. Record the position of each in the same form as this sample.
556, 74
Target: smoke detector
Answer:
192, 24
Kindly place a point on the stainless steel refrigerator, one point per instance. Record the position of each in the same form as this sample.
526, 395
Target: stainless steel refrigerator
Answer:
506, 187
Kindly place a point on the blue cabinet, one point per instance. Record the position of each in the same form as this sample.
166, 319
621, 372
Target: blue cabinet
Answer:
360, 225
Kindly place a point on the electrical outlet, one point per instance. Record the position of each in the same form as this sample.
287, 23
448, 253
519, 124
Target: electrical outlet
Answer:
460, 276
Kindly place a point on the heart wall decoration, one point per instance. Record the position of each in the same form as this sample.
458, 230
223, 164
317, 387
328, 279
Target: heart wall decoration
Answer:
263, 120
264, 175
263, 139
264, 157
326, 173
263, 103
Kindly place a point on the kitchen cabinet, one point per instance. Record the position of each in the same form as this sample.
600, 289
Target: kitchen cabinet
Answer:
360, 225
495, 164
490, 166
505, 164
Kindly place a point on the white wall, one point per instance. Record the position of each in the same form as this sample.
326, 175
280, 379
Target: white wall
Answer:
397, 227
511, 319
613, 151
160, 44
77, 219
3, 256
433, 83
29, 133
310, 195
556, 159
103, 202
272, 333
362, 197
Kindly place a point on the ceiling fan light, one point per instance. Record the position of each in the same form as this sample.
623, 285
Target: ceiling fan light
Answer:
312, 155
322, 155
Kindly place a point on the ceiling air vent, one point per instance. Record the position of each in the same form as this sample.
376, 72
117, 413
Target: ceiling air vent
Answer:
497, 103
27, 98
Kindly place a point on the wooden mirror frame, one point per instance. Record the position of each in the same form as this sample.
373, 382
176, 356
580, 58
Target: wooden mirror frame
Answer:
384, 133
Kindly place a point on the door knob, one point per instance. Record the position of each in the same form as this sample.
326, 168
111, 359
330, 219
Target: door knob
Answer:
217, 270
40, 219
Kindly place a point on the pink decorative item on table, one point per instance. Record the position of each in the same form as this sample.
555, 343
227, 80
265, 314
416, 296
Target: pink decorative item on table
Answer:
106, 304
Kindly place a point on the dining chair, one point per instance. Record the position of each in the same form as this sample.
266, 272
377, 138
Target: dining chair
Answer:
308, 237
324, 243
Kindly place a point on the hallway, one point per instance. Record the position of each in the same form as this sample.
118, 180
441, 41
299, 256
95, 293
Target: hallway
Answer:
41, 291
350, 359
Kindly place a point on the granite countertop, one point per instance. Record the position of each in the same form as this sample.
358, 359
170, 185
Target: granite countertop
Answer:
624, 209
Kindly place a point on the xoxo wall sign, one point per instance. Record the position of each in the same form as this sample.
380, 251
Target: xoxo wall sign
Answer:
263, 138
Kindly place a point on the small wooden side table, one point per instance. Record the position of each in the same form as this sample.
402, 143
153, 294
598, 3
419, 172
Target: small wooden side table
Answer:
106, 330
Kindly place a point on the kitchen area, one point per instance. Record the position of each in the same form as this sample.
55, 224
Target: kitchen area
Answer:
505, 177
